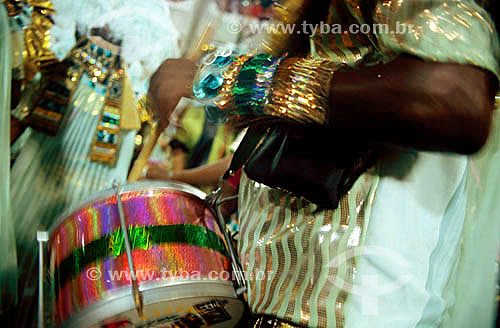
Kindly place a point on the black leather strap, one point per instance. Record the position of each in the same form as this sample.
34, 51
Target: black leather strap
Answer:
246, 148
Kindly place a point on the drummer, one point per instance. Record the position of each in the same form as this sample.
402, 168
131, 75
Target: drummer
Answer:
427, 96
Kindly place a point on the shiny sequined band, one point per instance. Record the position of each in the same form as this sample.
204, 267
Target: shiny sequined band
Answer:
300, 91
250, 89
112, 245
230, 76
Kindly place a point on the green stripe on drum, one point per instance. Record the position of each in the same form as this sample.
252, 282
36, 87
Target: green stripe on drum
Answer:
113, 245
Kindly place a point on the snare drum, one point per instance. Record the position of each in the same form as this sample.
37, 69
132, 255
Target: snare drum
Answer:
181, 261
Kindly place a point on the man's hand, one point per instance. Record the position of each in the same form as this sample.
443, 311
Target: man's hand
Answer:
172, 81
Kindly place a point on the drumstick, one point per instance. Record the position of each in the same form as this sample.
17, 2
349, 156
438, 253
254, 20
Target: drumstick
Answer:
155, 133
205, 38
199, 8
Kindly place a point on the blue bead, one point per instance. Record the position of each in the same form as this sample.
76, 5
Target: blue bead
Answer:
208, 86
199, 92
211, 81
100, 51
222, 61
108, 53
92, 46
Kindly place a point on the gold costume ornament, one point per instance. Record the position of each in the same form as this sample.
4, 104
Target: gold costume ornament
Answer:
37, 38
264, 87
230, 78
300, 91
144, 109
98, 62
106, 143
51, 105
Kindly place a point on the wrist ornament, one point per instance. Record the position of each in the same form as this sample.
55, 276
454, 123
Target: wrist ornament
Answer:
259, 86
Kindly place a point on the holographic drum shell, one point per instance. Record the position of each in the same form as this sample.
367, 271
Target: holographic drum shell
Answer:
179, 253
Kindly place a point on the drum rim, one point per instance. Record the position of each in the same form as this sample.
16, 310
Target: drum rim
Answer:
147, 288
130, 187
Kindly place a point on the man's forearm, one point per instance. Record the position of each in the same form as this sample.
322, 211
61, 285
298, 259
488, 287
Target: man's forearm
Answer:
405, 103
411, 103
204, 175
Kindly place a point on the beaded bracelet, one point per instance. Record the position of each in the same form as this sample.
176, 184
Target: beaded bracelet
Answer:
300, 91
295, 90
254, 80
225, 99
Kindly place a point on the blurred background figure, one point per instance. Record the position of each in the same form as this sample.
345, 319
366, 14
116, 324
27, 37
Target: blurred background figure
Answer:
198, 142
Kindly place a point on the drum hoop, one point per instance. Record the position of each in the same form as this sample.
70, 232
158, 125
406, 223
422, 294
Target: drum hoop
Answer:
150, 289
131, 187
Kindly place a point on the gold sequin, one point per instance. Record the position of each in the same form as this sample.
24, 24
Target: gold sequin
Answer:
225, 97
300, 91
37, 36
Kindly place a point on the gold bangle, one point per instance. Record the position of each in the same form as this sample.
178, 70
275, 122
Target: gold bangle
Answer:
300, 91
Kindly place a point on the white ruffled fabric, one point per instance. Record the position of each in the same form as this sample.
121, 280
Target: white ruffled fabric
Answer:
145, 28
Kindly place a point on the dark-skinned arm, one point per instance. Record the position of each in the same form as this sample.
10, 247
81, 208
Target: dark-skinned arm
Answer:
415, 104
405, 103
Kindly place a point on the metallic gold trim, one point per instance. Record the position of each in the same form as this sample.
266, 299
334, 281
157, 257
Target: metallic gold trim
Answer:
300, 90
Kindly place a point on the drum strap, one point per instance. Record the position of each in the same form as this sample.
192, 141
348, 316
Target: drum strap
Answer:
248, 145
295, 159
